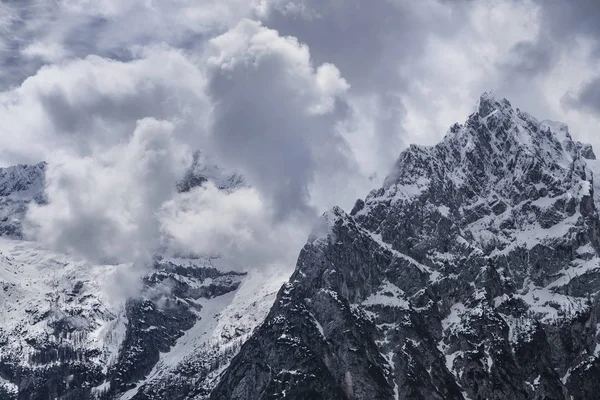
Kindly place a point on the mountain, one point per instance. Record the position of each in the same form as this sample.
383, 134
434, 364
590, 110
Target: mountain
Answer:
71, 331
473, 273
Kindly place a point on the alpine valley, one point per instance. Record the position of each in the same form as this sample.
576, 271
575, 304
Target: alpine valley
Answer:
473, 273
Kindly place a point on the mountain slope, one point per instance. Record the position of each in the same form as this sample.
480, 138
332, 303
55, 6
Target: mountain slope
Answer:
473, 273
73, 330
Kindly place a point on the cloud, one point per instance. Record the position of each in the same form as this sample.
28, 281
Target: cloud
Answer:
528, 59
565, 21
236, 226
368, 42
118, 132
588, 98
94, 103
104, 207
274, 113
461, 48
117, 136
47, 51
39, 32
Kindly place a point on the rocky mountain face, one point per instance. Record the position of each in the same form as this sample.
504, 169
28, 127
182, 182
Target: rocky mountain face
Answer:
473, 273
192, 369
68, 339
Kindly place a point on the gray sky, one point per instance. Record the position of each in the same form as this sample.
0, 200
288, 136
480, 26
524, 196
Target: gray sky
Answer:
312, 100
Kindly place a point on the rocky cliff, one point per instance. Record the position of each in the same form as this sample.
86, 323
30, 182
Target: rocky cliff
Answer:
473, 273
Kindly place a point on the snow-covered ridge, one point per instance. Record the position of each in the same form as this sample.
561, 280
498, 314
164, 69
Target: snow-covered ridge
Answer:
58, 310
44, 292
22, 180
507, 139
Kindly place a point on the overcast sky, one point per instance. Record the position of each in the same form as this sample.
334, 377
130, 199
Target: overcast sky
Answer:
312, 100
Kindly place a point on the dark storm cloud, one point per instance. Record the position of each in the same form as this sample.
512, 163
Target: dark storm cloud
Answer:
15, 17
588, 98
69, 117
562, 26
530, 58
371, 43
562, 23
40, 32
368, 41
34, 33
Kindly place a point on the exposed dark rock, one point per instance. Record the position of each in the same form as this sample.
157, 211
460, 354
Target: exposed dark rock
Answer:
470, 274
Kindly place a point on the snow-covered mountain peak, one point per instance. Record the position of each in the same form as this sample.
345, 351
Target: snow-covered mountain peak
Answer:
498, 151
497, 127
488, 103
503, 181
510, 130
473, 273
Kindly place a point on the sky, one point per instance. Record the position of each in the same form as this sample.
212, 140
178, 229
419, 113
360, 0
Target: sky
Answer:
311, 100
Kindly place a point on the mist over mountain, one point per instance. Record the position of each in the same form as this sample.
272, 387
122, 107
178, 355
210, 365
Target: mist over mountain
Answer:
471, 273
178, 199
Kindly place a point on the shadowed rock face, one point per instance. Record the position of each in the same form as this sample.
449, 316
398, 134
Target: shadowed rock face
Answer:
473, 273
